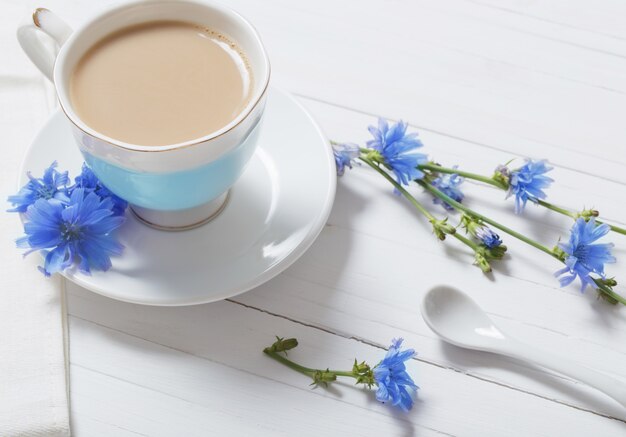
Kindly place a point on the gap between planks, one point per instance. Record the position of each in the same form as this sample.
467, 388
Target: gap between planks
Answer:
421, 360
544, 20
550, 38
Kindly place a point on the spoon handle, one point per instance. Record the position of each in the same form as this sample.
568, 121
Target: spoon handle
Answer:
607, 384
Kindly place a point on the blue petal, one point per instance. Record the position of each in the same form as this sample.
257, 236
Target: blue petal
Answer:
382, 394
528, 182
107, 225
107, 244
406, 400
566, 280
96, 216
57, 260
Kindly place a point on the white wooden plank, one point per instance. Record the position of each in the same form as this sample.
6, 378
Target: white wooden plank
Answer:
229, 386
532, 26
419, 68
603, 18
87, 425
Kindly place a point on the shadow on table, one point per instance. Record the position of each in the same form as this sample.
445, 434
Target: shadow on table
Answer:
606, 315
408, 427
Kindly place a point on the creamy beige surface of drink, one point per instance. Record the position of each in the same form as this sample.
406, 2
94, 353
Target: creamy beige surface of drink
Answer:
160, 83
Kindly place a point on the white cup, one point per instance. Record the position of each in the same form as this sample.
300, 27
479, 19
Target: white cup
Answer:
176, 186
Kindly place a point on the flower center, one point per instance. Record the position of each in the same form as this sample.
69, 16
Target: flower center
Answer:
71, 231
46, 192
580, 253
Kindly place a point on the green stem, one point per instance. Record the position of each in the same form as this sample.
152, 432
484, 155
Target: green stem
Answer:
615, 228
419, 206
305, 370
602, 287
287, 362
344, 373
474, 246
497, 184
465, 174
460, 207
400, 188
558, 209
575, 215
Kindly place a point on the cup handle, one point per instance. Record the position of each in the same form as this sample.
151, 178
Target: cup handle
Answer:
42, 55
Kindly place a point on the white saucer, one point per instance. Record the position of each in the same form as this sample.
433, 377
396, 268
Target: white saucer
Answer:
275, 212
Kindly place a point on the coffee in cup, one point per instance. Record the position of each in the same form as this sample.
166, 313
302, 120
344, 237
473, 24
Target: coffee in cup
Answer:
160, 83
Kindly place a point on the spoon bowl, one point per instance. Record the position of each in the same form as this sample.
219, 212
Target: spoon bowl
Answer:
457, 319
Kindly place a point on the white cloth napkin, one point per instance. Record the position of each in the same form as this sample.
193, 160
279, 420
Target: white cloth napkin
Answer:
33, 329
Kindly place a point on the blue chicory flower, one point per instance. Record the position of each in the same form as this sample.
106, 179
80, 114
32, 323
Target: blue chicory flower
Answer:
398, 149
585, 258
394, 383
90, 182
488, 237
528, 183
449, 185
77, 233
345, 154
52, 186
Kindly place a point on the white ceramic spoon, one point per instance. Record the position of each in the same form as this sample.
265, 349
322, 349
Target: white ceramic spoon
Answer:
458, 320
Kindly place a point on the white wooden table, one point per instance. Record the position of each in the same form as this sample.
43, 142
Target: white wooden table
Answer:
482, 81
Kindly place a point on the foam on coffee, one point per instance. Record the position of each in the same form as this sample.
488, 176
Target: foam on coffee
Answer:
161, 83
